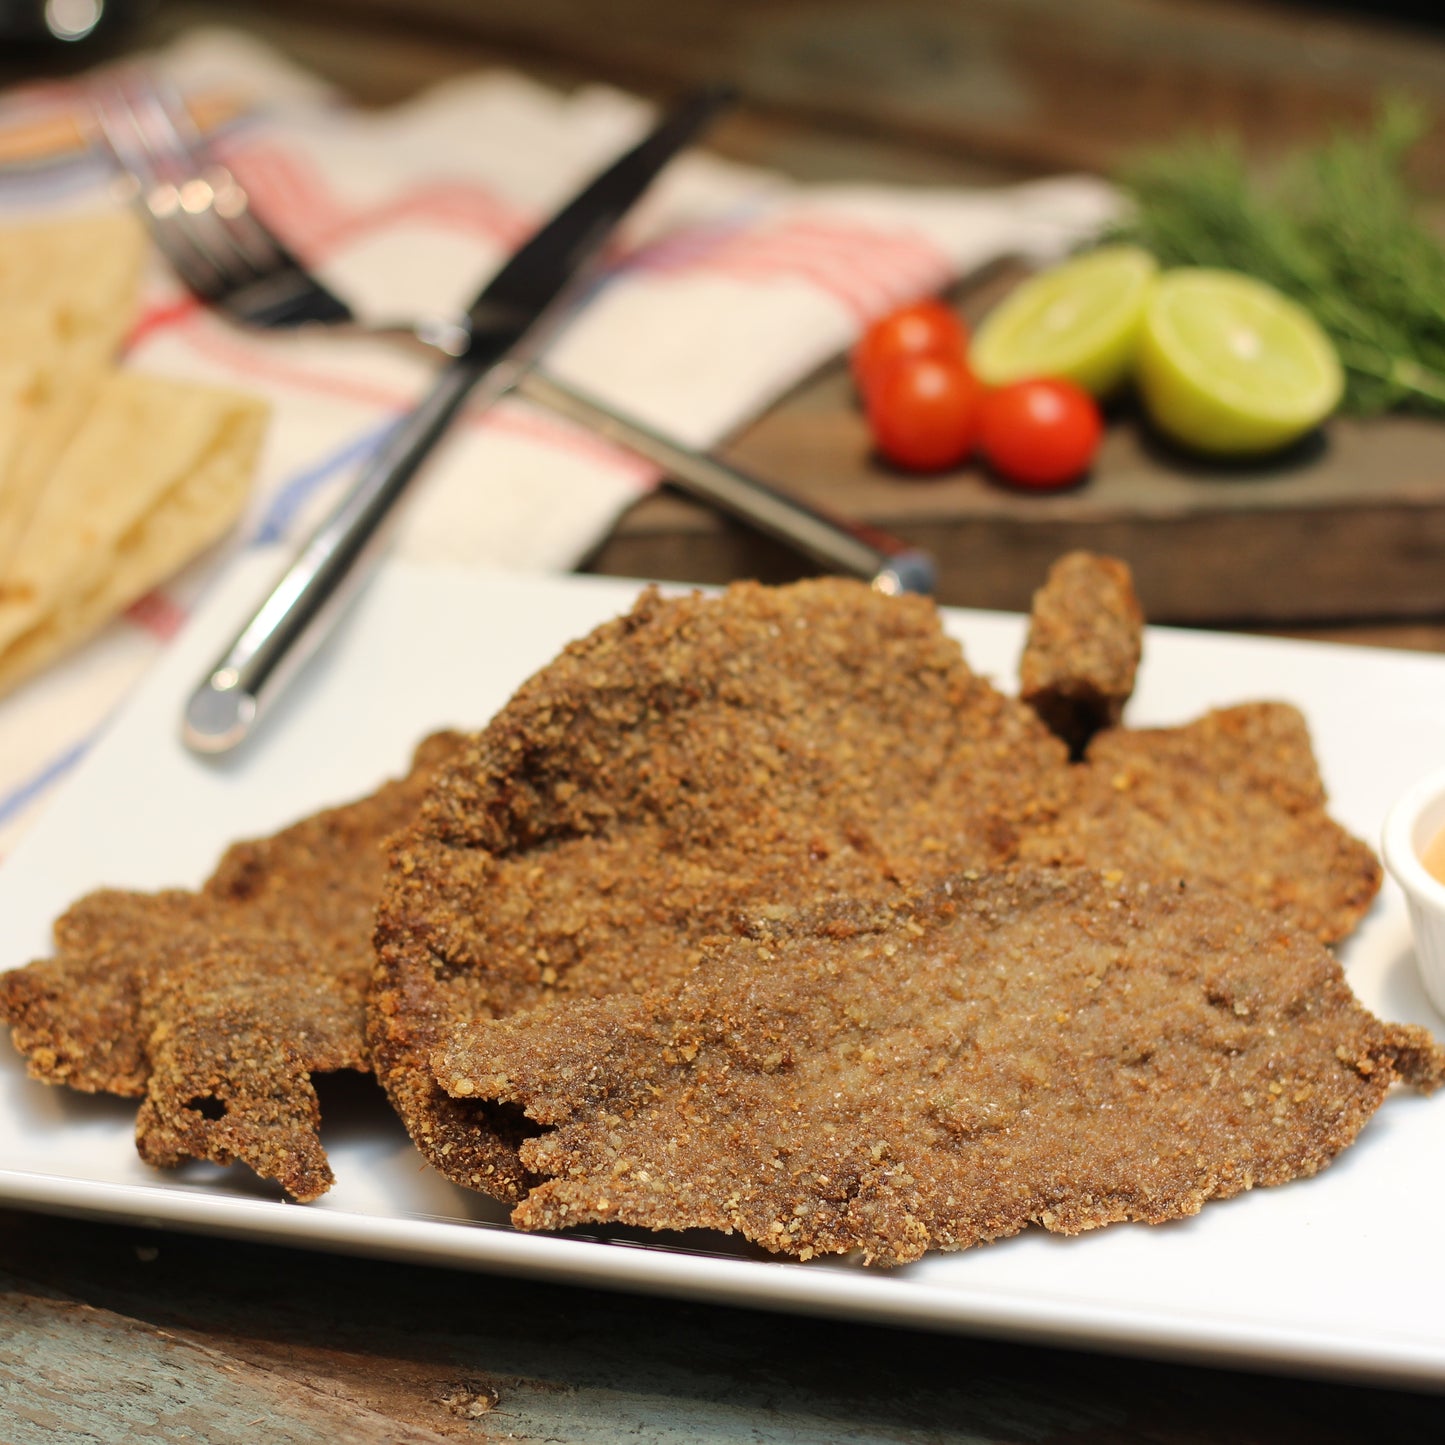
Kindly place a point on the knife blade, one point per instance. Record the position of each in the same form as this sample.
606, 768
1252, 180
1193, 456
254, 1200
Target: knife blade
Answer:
855, 549
508, 324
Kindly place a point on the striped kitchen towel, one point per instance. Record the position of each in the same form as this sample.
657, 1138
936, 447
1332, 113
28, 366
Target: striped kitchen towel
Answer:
726, 287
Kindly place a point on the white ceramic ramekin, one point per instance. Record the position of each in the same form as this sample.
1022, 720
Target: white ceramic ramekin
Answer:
1414, 820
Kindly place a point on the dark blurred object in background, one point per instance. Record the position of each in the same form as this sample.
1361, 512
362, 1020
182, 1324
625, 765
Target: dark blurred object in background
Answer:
47, 27
1423, 12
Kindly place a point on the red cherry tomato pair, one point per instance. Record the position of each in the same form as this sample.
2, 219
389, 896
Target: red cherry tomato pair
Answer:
927, 411
926, 328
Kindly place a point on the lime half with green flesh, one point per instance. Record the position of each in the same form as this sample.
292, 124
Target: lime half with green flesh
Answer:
1078, 321
1230, 367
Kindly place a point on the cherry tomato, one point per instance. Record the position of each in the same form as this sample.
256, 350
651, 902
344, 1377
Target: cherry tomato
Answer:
1039, 434
924, 412
926, 328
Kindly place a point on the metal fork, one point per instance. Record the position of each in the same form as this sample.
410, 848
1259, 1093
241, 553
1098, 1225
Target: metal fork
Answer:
203, 222
201, 218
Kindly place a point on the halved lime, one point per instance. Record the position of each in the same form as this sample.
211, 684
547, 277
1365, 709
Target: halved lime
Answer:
1078, 321
1229, 366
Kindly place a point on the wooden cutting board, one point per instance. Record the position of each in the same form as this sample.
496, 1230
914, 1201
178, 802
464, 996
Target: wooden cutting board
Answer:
1348, 527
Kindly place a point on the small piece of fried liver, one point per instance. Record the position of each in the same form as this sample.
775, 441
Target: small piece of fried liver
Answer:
699, 761
1031, 1046
1085, 638
218, 1005
1232, 799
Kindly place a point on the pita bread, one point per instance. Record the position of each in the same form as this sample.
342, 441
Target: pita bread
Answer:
69, 291
158, 471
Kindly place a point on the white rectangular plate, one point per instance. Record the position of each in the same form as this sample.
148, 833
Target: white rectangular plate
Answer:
1343, 1273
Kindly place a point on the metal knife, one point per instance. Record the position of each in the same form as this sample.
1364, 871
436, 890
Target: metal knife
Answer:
856, 549
507, 325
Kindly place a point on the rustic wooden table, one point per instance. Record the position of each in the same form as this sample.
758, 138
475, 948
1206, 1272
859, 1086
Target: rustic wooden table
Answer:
116, 1334
120, 1333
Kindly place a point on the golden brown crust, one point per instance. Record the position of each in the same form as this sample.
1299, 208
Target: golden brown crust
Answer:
218, 1005
1086, 635
681, 768
1234, 799
238, 1025
1034, 1046
703, 760
669, 780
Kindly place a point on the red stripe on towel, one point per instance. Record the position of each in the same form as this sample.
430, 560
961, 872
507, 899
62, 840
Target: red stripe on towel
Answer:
259, 365
295, 197
157, 614
161, 317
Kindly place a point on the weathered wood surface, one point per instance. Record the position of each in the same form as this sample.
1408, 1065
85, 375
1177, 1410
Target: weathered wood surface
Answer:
1347, 527
70, 1371
110, 1333
1035, 86
1352, 529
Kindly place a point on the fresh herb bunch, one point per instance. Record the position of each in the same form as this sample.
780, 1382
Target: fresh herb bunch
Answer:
1338, 228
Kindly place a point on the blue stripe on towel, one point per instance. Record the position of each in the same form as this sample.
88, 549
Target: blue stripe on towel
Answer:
19, 798
293, 495
26, 186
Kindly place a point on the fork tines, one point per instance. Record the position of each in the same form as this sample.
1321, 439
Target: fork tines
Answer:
198, 213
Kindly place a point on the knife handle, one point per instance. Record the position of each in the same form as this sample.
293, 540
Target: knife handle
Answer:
854, 548
333, 563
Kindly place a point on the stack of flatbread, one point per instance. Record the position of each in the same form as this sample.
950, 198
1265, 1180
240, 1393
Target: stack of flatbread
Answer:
110, 480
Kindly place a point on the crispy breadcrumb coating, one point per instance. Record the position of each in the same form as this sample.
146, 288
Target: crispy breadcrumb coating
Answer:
218, 1006
679, 770
706, 760
1086, 635
1233, 798
1032, 1046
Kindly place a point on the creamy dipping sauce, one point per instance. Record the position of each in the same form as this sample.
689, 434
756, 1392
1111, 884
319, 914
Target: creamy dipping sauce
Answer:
1432, 855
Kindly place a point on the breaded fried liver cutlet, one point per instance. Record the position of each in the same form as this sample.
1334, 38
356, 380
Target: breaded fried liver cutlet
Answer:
937, 1071
1085, 638
218, 1006
1233, 798
682, 768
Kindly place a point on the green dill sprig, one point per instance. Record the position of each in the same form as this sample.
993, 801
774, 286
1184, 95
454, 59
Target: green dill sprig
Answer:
1337, 227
